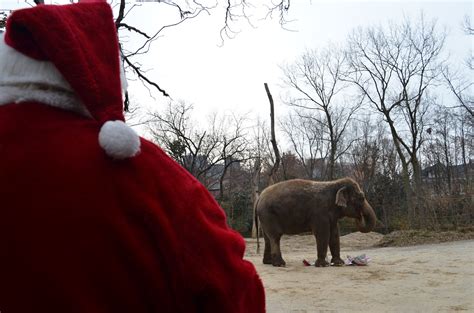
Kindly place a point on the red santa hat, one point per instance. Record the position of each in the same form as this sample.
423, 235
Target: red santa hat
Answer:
68, 57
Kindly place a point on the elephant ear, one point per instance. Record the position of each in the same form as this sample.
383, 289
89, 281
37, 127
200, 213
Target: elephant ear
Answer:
341, 197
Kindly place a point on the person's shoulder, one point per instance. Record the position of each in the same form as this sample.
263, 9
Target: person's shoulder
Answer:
157, 162
152, 155
171, 184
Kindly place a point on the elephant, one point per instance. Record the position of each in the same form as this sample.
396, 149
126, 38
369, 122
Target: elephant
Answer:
296, 206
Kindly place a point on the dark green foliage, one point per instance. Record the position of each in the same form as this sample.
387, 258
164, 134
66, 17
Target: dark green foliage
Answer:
386, 195
239, 211
347, 226
177, 149
3, 21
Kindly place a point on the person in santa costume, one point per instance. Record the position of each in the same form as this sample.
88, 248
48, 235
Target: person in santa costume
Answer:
94, 218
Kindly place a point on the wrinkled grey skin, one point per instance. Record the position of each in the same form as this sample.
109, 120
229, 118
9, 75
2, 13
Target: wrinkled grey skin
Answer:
297, 206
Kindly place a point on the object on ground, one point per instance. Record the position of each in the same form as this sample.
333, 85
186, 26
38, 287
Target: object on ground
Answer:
307, 263
360, 260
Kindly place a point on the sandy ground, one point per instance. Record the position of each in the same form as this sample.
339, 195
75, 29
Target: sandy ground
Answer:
425, 278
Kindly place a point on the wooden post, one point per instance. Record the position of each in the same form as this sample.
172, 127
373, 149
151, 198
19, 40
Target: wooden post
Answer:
274, 169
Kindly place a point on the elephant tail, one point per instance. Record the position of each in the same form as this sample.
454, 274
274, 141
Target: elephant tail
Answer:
256, 223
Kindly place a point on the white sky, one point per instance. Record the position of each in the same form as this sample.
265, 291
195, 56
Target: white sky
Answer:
189, 64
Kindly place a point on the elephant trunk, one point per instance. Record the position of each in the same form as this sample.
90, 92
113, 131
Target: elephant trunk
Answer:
367, 220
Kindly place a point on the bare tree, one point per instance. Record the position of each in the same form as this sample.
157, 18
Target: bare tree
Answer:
233, 145
366, 151
316, 79
460, 81
467, 26
235, 12
306, 139
291, 166
207, 153
461, 87
394, 67
449, 151
464, 138
439, 150
469, 30
258, 152
186, 11
177, 134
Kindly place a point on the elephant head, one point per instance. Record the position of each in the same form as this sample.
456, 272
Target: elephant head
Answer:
351, 199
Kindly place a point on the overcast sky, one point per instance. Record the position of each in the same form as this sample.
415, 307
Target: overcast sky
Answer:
189, 63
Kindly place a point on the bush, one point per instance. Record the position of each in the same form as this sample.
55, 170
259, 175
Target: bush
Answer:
239, 211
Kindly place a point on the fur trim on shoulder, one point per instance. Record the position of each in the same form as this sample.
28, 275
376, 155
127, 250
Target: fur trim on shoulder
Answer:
26, 93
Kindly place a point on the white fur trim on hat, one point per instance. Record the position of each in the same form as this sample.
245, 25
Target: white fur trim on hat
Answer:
118, 140
26, 79
17, 68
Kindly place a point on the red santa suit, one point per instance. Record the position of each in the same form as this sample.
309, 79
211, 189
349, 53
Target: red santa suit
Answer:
92, 217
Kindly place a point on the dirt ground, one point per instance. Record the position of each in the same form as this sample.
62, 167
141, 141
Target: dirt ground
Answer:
422, 278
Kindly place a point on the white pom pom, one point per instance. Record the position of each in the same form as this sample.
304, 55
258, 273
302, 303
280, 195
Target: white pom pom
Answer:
118, 140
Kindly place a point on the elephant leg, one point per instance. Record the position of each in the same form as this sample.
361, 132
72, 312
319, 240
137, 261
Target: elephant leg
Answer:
334, 245
277, 259
267, 256
322, 241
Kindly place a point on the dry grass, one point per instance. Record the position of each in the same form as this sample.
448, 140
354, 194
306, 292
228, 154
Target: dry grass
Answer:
401, 238
357, 240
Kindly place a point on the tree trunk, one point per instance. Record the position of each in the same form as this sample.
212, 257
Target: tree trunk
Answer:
448, 163
415, 163
332, 162
255, 184
273, 171
408, 203
333, 144
221, 183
